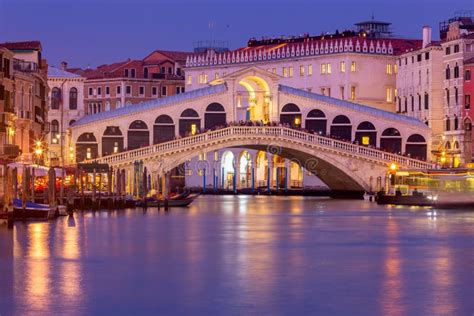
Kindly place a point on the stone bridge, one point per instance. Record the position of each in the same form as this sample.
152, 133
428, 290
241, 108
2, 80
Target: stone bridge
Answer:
343, 166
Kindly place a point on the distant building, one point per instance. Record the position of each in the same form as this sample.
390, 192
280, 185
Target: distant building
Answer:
30, 99
66, 107
120, 84
351, 65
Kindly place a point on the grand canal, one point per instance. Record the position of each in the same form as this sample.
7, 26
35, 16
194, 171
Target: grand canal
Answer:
238, 255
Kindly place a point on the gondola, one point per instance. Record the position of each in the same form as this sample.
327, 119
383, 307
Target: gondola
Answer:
32, 211
182, 201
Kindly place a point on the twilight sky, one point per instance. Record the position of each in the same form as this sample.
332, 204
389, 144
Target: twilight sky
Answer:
93, 32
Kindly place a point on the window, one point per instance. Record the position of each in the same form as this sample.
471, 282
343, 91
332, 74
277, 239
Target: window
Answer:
216, 155
284, 73
126, 72
73, 99
145, 72
90, 91
395, 70
163, 70
427, 55
107, 106
118, 104
456, 48
323, 91
412, 103
427, 98
178, 90
107, 90
456, 95
418, 58
448, 124
170, 70
329, 68
353, 93
419, 102
342, 66
290, 72
164, 90
353, 66
447, 96
203, 78
133, 73
119, 90
310, 70
389, 69
128, 89
448, 73
142, 90
54, 126
389, 94
467, 101
456, 71
341, 89
456, 122
399, 105
323, 68
190, 79
178, 71
99, 91
406, 105
301, 70
55, 98
448, 50
154, 91
467, 75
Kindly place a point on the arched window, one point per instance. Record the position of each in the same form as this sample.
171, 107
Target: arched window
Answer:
138, 135
189, 122
55, 98
456, 145
73, 99
447, 145
448, 72
118, 104
86, 147
54, 126
341, 128
72, 122
290, 107
416, 147
366, 134
391, 140
163, 130
215, 116
456, 71
316, 122
456, 122
467, 124
112, 141
447, 124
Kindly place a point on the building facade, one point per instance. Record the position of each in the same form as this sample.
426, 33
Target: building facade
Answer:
66, 107
457, 36
356, 66
120, 84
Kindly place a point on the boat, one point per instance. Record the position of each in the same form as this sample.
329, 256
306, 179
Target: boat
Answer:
32, 211
177, 202
440, 188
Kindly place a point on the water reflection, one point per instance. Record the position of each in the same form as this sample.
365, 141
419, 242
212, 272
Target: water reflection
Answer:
244, 255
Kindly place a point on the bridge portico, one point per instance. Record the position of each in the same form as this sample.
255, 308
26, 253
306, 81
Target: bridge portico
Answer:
254, 95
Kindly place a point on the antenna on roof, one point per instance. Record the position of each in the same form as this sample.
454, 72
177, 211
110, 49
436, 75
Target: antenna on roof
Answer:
373, 18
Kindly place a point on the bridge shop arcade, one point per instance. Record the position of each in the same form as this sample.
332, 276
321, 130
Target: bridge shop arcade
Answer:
156, 134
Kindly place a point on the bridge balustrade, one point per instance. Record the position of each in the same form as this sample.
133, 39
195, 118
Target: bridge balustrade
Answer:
251, 131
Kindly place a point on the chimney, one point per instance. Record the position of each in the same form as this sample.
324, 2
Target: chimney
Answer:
426, 36
63, 65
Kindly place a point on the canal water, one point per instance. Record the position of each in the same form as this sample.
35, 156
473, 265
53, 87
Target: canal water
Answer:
243, 255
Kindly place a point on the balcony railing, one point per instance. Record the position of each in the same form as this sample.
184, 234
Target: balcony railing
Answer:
25, 66
9, 151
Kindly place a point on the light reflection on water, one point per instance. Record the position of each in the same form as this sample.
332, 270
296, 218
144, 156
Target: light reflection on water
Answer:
243, 255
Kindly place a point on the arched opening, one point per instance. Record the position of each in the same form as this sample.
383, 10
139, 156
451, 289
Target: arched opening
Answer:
112, 141
447, 145
228, 171
73, 99
189, 123
55, 98
296, 175
54, 131
254, 100
366, 134
341, 128
416, 147
163, 130
214, 116
290, 115
245, 172
391, 140
261, 169
72, 122
467, 124
86, 147
316, 122
138, 135
280, 174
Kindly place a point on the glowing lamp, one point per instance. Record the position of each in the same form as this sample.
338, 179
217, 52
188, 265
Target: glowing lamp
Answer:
297, 120
193, 129
393, 167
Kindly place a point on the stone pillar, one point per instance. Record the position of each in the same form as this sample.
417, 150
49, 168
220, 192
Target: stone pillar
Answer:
271, 169
287, 174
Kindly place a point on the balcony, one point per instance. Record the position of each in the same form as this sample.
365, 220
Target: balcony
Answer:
25, 66
9, 151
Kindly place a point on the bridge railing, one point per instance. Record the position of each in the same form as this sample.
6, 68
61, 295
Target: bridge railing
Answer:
263, 131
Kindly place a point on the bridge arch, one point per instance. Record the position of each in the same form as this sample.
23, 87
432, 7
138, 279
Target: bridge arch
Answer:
391, 140
261, 169
86, 147
228, 169
258, 101
316, 122
189, 122
214, 116
366, 134
163, 129
138, 135
290, 115
245, 169
112, 140
341, 128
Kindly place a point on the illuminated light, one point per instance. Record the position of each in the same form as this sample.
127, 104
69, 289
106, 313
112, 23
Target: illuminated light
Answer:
193, 129
38, 143
115, 148
393, 166
38, 151
402, 173
58, 136
55, 141
297, 120
88, 154
71, 148
365, 140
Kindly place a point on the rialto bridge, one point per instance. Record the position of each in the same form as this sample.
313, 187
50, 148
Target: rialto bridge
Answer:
346, 144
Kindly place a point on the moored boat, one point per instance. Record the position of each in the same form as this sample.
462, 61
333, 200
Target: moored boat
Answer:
32, 211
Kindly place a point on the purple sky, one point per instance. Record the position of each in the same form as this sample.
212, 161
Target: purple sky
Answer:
93, 32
